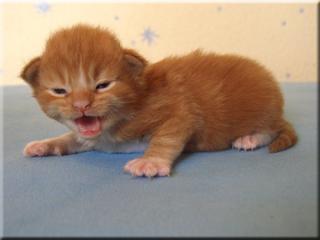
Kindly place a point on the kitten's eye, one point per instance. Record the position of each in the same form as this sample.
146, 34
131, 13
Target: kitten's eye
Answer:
59, 91
102, 85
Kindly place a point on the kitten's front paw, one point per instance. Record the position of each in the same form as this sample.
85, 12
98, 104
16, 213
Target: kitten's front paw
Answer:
147, 167
40, 148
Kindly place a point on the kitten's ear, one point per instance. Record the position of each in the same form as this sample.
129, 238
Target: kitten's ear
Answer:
31, 71
134, 62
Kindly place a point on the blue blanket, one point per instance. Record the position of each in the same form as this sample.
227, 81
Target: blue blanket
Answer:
226, 193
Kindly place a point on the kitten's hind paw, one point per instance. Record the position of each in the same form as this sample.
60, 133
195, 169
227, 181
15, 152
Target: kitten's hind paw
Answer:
251, 142
40, 148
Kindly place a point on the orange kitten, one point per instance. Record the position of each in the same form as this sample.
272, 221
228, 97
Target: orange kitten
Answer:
111, 97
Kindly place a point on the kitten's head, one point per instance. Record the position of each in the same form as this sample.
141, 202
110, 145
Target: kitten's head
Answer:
85, 79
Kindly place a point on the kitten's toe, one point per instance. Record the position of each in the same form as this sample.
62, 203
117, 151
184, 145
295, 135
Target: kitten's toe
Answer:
146, 167
36, 148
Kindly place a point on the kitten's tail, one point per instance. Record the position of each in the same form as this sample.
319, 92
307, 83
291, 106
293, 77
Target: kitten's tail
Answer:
287, 138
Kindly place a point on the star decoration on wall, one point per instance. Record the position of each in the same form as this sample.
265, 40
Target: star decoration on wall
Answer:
219, 9
43, 7
149, 36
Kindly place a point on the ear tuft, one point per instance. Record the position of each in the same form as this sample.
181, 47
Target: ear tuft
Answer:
134, 62
31, 70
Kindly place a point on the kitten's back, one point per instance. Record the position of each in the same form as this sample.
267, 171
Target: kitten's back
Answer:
233, 96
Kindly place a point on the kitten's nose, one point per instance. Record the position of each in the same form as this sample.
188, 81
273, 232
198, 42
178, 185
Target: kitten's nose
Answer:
81, 105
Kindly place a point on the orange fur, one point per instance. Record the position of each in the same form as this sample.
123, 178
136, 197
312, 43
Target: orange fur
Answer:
197, 102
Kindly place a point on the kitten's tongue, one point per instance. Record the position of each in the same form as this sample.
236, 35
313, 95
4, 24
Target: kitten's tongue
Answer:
88, 126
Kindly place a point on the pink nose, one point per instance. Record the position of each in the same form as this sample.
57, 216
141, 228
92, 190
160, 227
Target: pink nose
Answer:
81, 105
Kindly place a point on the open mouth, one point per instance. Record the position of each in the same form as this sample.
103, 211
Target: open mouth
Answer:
88, 126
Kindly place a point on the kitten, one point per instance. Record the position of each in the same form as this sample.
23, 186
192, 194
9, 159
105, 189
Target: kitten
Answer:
110, 96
